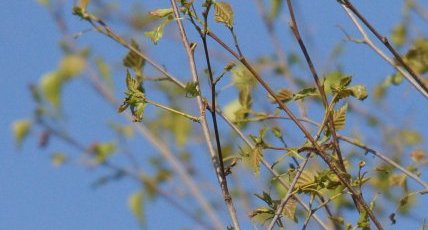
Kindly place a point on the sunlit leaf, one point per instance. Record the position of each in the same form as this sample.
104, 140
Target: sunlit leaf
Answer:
304, 93
410, 137
71, 65
224, 13
83, 4
103, 151
256, 156
21, 129
289, 210
417, 56
157, 33
132, 59
399, 34
191, 89
162, 12
339, 117
135, 204
51, 84
242, 78
284, 95
358, 91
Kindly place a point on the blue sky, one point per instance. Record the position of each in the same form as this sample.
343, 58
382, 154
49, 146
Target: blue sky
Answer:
36, 195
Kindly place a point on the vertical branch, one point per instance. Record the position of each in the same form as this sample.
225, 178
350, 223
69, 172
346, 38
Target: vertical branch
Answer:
202, 106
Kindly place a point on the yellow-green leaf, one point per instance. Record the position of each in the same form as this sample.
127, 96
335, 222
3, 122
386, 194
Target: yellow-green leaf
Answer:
83, 4
132, 59
242, 78
162, 12
289, 210
157, 33
135, 204
283, 95
103, 151
358, 91
71, 65
256, 156
224, 13
51, 84
399, 34
58, 159
21, 129
339, 117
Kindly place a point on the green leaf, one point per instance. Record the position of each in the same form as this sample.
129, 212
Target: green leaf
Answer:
242, 78
83, 4
289, 210
332, 78
359, 92
132, 59
224, 13
103, 151
410, 137
21, 129
131, 83
417, 56
162, 12
58, 159
50, 85
71, 65
276, 6
256, 156
307, 92
135, 204
399, 34
191, 89
157, 33
284, 95
339, 117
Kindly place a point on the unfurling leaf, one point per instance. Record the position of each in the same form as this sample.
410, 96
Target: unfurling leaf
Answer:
135, 203
339, 117
308, 92
256, 156
132, 59
284, 95
359, 92
224, 13
20, 130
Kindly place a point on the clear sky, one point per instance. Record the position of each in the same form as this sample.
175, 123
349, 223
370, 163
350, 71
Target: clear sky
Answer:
36, 195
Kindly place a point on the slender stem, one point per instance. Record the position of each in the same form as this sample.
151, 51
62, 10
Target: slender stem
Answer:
289, 192
202, 106
386, 159
193, 118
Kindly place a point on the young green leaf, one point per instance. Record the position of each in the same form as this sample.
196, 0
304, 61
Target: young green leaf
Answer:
132, 59
162, 12
339, 117
256, 156
50, 85
71, 65
157, 33
21, 129
224, 13
135, 204
304, 93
